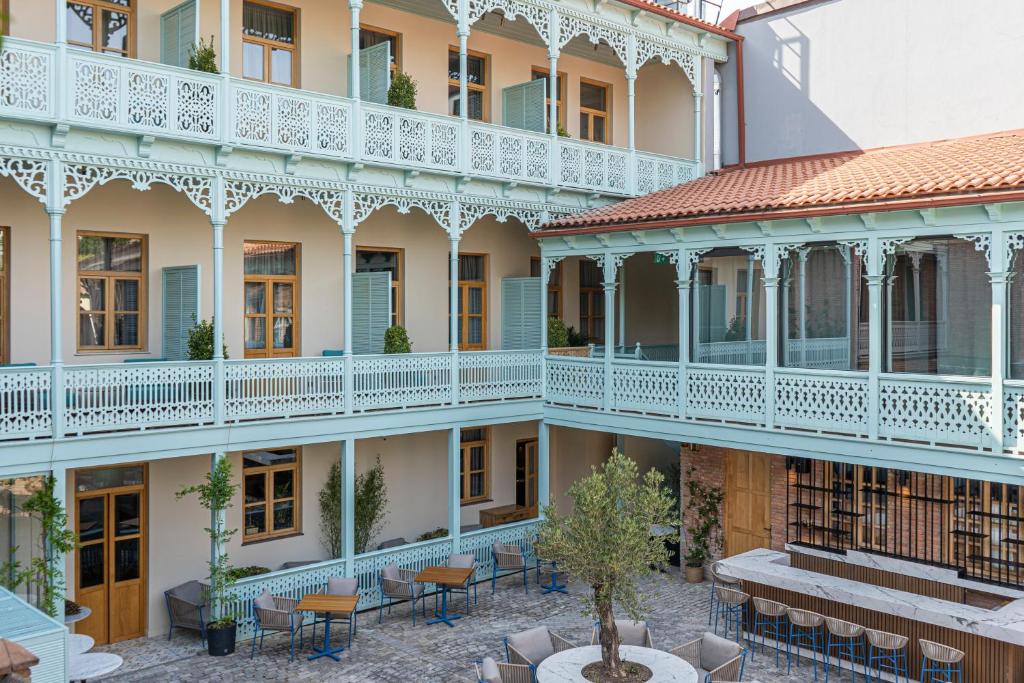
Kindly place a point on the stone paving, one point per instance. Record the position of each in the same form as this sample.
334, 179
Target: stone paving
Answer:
397, 651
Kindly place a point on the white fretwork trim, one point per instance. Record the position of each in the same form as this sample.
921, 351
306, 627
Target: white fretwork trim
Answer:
982, 243
757, 251
239, 192
81, 178
365, 203
571, 25
1014, 243
887, 247
531, 217
647, 49
30, 174
859, 247
548, 263
536, 16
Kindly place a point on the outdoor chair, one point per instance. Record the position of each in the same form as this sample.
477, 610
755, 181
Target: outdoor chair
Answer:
715, 659
337, 585
463, 561
940, 662
630, 633
509, 559
724, 580
399, 585
534, 646
276, 614
186, 607
490, 671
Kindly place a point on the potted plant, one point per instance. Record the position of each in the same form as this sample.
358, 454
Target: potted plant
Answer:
558, 335
402, 92
606, 543
704, 507
200, 341
202, 57
215, 494
396, 340
371, 506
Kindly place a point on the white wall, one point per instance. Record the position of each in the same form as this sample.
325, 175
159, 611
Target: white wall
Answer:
849, 74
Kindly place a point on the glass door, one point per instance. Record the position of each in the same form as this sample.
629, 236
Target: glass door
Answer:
526, 476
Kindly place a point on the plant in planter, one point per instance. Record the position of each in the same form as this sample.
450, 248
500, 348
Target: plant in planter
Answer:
402, 92
47, 570
396, 340
558, 335
330, 512
202, 57
606, 543
236, 573
215, 494
200, 341
704, 507
371, 506
439, 532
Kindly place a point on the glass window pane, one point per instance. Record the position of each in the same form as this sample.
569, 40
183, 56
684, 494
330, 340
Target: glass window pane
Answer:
79, 20
476, 70
280, 456
475, 434
127, 564
284, 484
476, 484
91, 518
377, 262
593, 97
92, 329
255, 298
284, 515
723, 336
599, 130
471, 268
126, 329
119, 254
269, 23
127, 514
255, 520
453, 66
476, 458
476, 301
108, 478
252, 61
283, 297
92, 294
255, 488
476, 105
115, 31
91, 568
281, 66
283, 333
476, 331
255, 333
126, 295
453, 101
269, 258
584, 126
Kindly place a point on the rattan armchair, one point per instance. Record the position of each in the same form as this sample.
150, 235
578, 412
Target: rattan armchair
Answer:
186, 607
490, 671
630, 633
399, 585
279, 618
715, 659
533, 646
508, 559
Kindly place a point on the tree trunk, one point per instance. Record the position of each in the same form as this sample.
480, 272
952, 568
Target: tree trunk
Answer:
609, 636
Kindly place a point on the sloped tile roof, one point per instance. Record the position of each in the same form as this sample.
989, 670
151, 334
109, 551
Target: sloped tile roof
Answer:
860, 181
661, 9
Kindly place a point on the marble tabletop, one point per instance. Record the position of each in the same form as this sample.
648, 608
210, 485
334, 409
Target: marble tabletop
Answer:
566, 666
83, 613
92, 665
79, 643
771, 567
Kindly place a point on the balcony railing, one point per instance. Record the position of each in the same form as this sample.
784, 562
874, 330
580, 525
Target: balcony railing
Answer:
142, 98
139, 396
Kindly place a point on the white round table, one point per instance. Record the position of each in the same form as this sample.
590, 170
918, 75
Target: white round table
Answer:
79, 643
567, 666
92, 665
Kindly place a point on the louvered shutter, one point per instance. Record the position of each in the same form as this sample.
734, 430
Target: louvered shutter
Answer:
180, 309
178, 33
520, 313
374, 73
371, 311
524, 106
712, 313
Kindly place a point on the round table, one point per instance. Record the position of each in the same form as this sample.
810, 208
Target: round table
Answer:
79, 643
83, 613
567, 666
92, 665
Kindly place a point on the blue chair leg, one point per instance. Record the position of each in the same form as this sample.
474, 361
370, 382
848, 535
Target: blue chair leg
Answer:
494, 578
414, 606
526, 583
380, 611
711, 607
351, 623
291, 649
252, 651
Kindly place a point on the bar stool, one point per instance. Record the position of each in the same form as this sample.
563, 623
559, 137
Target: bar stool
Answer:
803, 630
941, 660
720, 579
770, 617
886, 652
845, 638
730, 604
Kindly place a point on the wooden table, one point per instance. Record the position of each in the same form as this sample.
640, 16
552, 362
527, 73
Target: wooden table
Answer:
446, 578
337, 604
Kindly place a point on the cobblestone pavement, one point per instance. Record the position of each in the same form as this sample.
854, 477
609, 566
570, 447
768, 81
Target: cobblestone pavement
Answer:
397, 651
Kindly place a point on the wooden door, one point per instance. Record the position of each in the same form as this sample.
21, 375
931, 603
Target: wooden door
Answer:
110, 566
526, 476
747, 502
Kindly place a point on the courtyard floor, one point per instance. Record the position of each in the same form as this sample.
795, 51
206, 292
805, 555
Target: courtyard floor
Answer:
397, 651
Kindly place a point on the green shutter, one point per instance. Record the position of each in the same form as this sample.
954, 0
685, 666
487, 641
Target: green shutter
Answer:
712, 313
181, 309
520, 313
178, 33
525, 105
371, 311
374, 73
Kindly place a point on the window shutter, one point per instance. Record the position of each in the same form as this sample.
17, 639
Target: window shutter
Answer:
525, 105
371, 311
715, 310
181, 309
374, 72
520, 313
178, 33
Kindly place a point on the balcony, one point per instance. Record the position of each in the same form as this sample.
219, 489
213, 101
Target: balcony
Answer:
139, 98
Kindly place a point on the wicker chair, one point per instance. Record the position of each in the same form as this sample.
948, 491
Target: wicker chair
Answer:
724, 580
276, 614
467, 560
941, 661
399, 585
508, 559
339, 586
630, 633
186, 606
534, 646
490, 671
714, 658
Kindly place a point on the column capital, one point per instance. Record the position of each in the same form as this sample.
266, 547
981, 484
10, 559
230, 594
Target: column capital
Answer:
771, 282
874, 280
1002, 277
683, 284
610, 287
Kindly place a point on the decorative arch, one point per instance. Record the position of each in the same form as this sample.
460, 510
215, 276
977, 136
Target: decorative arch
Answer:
646, 50
571, 25
237, 194
80, 178
365, 203
512, 9
29, 174
530, 217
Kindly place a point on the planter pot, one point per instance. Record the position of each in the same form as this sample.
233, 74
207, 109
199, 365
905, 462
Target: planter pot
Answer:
220, 642
694, 574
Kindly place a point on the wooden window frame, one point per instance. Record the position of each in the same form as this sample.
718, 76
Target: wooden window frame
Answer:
5, 17
296, 282
109, 276
553, 288
563, 84
606, 115
465, 471
268, 504
474, 87
266, 45
464, 285
396, 65
97, 38
5, 295
397, 286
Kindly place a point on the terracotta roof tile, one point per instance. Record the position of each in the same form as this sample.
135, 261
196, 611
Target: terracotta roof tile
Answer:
661, 9
946, 168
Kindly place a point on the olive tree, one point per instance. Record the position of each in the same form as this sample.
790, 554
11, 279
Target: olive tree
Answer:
607, 542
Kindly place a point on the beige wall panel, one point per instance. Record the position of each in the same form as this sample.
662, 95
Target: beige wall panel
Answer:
652, 302
664, 110
573, 453
32, 19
